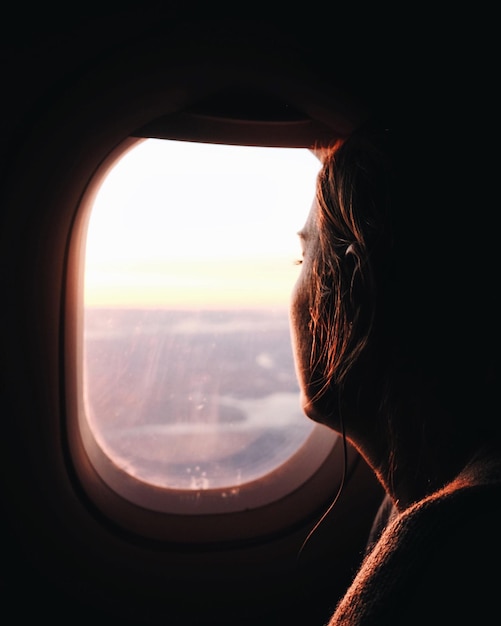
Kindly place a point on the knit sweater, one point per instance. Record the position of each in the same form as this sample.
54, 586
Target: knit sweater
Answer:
438, 562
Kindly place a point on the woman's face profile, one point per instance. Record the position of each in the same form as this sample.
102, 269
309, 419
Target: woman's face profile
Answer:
300, 317
320, 399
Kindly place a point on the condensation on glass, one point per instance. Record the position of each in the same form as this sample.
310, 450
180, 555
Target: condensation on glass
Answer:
188, 373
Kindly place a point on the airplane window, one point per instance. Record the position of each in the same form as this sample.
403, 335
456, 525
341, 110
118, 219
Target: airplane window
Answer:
188, 375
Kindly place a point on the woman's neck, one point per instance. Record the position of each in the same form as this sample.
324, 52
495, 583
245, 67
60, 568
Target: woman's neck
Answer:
420, 461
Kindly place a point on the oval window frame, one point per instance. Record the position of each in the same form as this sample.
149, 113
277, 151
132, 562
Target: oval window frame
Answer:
287, 495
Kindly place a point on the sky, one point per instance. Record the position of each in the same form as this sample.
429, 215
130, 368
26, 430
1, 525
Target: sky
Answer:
185, 225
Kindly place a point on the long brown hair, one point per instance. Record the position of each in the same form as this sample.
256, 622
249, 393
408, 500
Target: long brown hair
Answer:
353, 196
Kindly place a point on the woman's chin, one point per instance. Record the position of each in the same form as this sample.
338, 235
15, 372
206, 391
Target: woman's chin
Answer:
311, 410
318, 412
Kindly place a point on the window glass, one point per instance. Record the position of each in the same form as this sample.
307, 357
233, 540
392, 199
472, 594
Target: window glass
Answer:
188, 373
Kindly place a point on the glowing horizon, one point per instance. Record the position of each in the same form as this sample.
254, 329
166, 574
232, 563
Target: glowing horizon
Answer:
182, 225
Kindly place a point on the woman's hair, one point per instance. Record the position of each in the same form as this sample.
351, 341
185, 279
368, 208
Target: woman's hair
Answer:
406, 274
353, 197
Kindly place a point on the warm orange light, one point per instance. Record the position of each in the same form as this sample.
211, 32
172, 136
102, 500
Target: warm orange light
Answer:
181, 225
213, 284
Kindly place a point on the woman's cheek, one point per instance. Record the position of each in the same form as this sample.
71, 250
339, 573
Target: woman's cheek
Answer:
300, 332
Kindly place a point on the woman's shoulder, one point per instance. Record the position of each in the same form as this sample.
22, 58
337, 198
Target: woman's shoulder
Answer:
459, 525
434, 563
453, 545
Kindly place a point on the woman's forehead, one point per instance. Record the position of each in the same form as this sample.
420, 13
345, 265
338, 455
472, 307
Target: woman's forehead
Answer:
311, 219
309, 234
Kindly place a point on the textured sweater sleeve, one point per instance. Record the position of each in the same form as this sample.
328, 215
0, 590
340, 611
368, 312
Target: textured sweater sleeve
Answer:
435, 564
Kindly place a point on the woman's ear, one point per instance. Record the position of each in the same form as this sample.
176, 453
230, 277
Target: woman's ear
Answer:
353, 265
350, 249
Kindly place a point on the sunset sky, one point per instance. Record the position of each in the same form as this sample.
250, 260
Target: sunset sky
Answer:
183, 225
